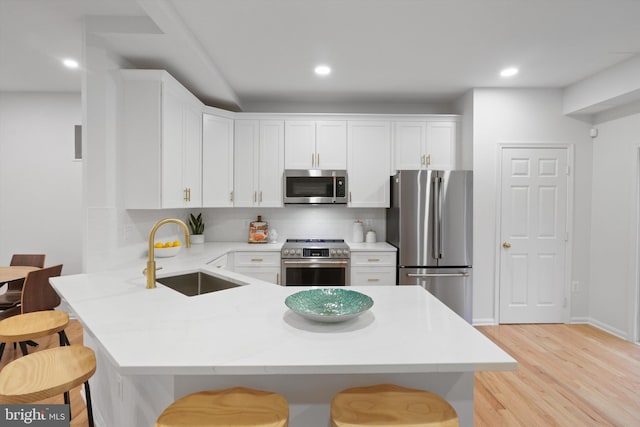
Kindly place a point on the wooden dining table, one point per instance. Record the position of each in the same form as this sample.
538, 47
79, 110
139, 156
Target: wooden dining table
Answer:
9, 274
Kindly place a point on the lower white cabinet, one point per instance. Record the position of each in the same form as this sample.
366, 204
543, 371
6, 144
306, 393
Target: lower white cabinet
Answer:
372, 268
261, 265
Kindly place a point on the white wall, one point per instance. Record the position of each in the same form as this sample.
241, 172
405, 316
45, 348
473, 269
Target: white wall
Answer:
614, 256
523, 116
40, 182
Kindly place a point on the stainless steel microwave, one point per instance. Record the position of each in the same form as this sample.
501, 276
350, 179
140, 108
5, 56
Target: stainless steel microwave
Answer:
315, 186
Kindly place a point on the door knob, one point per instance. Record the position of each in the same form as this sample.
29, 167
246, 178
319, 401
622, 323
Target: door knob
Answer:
506, 245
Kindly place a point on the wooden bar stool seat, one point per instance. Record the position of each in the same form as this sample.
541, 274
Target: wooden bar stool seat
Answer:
30, 326
233, 407
391, 405
48, 373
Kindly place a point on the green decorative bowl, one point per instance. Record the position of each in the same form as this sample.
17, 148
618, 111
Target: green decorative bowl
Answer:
329, 304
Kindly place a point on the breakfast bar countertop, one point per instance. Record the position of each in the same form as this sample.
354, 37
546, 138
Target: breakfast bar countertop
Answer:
249, 330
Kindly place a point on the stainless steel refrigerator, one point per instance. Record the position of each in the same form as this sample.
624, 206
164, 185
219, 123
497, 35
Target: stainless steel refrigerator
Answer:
430, 222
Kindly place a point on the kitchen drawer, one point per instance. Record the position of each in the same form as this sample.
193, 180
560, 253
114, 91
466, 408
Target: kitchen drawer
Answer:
256, 259
373, 276
270, 274
373, 259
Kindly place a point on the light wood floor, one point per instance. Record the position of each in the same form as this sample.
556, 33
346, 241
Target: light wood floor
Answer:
74, 333
569, 375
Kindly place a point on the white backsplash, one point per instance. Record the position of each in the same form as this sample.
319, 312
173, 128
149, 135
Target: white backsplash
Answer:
336, 222
106, 250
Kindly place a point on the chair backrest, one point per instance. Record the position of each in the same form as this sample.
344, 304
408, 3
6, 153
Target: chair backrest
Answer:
32, 260
37, 292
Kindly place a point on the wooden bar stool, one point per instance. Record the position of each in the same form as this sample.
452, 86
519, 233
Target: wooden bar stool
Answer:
391, 405
233, 407
25, 327
48, 373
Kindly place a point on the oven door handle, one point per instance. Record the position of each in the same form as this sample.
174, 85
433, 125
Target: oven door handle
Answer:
316, 262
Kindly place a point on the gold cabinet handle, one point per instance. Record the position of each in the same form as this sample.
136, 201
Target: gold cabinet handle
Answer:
349, 196
422, 160
313, 160
231, 196
277, 278
255, 196
261, 197
373, 280
506, 245
257, 259
428, 159
373, 259
318, 160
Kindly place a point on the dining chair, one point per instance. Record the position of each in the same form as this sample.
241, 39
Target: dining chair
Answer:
11, 298
31, 260
37, 317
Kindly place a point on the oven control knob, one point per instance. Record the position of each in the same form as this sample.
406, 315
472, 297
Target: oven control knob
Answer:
298, 252
332, 252
285, 252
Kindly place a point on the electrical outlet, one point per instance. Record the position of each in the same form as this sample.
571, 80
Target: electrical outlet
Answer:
575, 286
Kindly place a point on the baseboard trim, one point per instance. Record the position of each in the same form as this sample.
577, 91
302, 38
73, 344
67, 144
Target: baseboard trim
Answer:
608, 328
489, 321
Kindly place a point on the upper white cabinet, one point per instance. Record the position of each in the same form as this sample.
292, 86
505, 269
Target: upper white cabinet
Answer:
369, 164
217, 161
315, 144
161, 142
258, 163
427, 144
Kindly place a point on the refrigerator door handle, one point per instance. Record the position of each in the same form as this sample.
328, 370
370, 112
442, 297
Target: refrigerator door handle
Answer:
439, 234
435, 250
461, 274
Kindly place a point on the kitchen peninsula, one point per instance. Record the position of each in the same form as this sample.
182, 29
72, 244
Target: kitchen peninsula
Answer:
156, 345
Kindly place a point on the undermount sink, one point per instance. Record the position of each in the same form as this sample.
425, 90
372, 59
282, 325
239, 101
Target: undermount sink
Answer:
192, 284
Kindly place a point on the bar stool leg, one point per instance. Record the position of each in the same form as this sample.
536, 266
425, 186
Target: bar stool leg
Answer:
2, 345
23, 347
87, 393
63, 339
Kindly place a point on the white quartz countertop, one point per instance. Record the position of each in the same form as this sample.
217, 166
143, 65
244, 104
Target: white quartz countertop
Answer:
249, 329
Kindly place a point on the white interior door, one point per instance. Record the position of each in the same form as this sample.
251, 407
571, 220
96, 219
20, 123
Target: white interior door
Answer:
533, 235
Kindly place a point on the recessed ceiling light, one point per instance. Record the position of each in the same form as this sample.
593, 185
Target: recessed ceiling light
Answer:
70, 63
322, 70
509, 72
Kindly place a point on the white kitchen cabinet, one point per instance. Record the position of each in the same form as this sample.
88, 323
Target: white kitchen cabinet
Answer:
315, 144
258, 163
217, 161
161, 142
427, 144
373, 268
263, 265
368, 163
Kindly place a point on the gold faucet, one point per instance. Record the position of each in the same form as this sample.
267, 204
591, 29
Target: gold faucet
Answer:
150, 271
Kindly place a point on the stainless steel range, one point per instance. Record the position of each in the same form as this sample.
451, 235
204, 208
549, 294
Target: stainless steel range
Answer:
315, 262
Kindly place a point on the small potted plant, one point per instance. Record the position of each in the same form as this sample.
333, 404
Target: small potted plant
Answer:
196, 224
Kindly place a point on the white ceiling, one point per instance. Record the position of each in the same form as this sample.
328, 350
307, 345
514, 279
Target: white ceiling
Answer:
242, 53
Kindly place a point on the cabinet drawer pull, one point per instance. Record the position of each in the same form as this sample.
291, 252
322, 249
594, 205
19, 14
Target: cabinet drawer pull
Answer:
313, 160
257, 259
318, 160
255, 196
231, 196
429, 160
373, 280
261, 197
277, 278
374, 260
